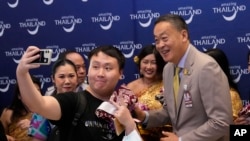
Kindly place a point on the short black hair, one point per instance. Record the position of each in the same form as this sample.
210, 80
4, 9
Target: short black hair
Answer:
110, 51
176, 20
65, 53
61, 62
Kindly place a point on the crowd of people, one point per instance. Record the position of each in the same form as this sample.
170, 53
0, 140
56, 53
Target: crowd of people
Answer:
206, 102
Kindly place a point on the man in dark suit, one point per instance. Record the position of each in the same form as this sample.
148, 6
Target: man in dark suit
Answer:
202, 110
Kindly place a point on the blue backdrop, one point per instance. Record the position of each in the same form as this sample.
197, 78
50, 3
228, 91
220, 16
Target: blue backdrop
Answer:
127, 24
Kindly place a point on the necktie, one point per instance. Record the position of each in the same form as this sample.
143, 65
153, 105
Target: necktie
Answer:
176, 83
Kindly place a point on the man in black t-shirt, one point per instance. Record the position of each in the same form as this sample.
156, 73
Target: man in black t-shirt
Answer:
90, 126
105, 70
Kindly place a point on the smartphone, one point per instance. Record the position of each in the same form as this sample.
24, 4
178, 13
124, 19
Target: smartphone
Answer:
45, 57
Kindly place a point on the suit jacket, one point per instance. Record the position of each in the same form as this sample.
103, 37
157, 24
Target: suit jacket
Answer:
206, 117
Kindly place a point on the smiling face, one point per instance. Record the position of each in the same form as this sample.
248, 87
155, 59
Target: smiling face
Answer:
148, 67
103, 75
170, 42
65, 78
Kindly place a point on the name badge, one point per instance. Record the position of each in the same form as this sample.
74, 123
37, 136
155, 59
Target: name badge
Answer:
187, 98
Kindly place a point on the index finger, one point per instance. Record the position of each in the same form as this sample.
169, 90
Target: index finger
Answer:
115, 104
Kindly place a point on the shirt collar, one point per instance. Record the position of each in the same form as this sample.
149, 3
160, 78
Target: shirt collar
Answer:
183, 58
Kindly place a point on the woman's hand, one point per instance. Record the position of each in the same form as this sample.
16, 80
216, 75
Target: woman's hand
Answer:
24, 124
242, 121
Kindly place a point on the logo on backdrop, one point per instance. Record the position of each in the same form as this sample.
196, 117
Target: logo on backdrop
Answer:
209, 41
84, 0
4, 26
68, 23
32, 25
85, 48
237, 72
43, 80
137, 75
15, 53
244, 39
13, 5
5, 83
56, 51
105, 20
128, 48
187, 11
229, 10
48, 2
144, 17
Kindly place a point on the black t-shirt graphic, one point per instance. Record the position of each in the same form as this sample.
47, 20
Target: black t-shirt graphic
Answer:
90, 127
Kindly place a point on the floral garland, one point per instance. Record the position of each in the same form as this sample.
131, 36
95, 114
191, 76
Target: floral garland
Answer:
122, 95
245, 111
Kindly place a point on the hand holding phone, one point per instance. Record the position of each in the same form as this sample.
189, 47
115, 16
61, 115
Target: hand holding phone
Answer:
45, 57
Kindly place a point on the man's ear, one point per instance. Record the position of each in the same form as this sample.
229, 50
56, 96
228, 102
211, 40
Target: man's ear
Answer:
185, 35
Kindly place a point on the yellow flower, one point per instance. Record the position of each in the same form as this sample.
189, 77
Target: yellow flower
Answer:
136, 59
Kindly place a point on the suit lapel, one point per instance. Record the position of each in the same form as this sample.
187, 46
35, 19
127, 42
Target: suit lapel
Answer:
186, 78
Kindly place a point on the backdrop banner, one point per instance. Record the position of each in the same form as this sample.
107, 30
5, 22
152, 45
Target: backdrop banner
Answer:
82, 25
